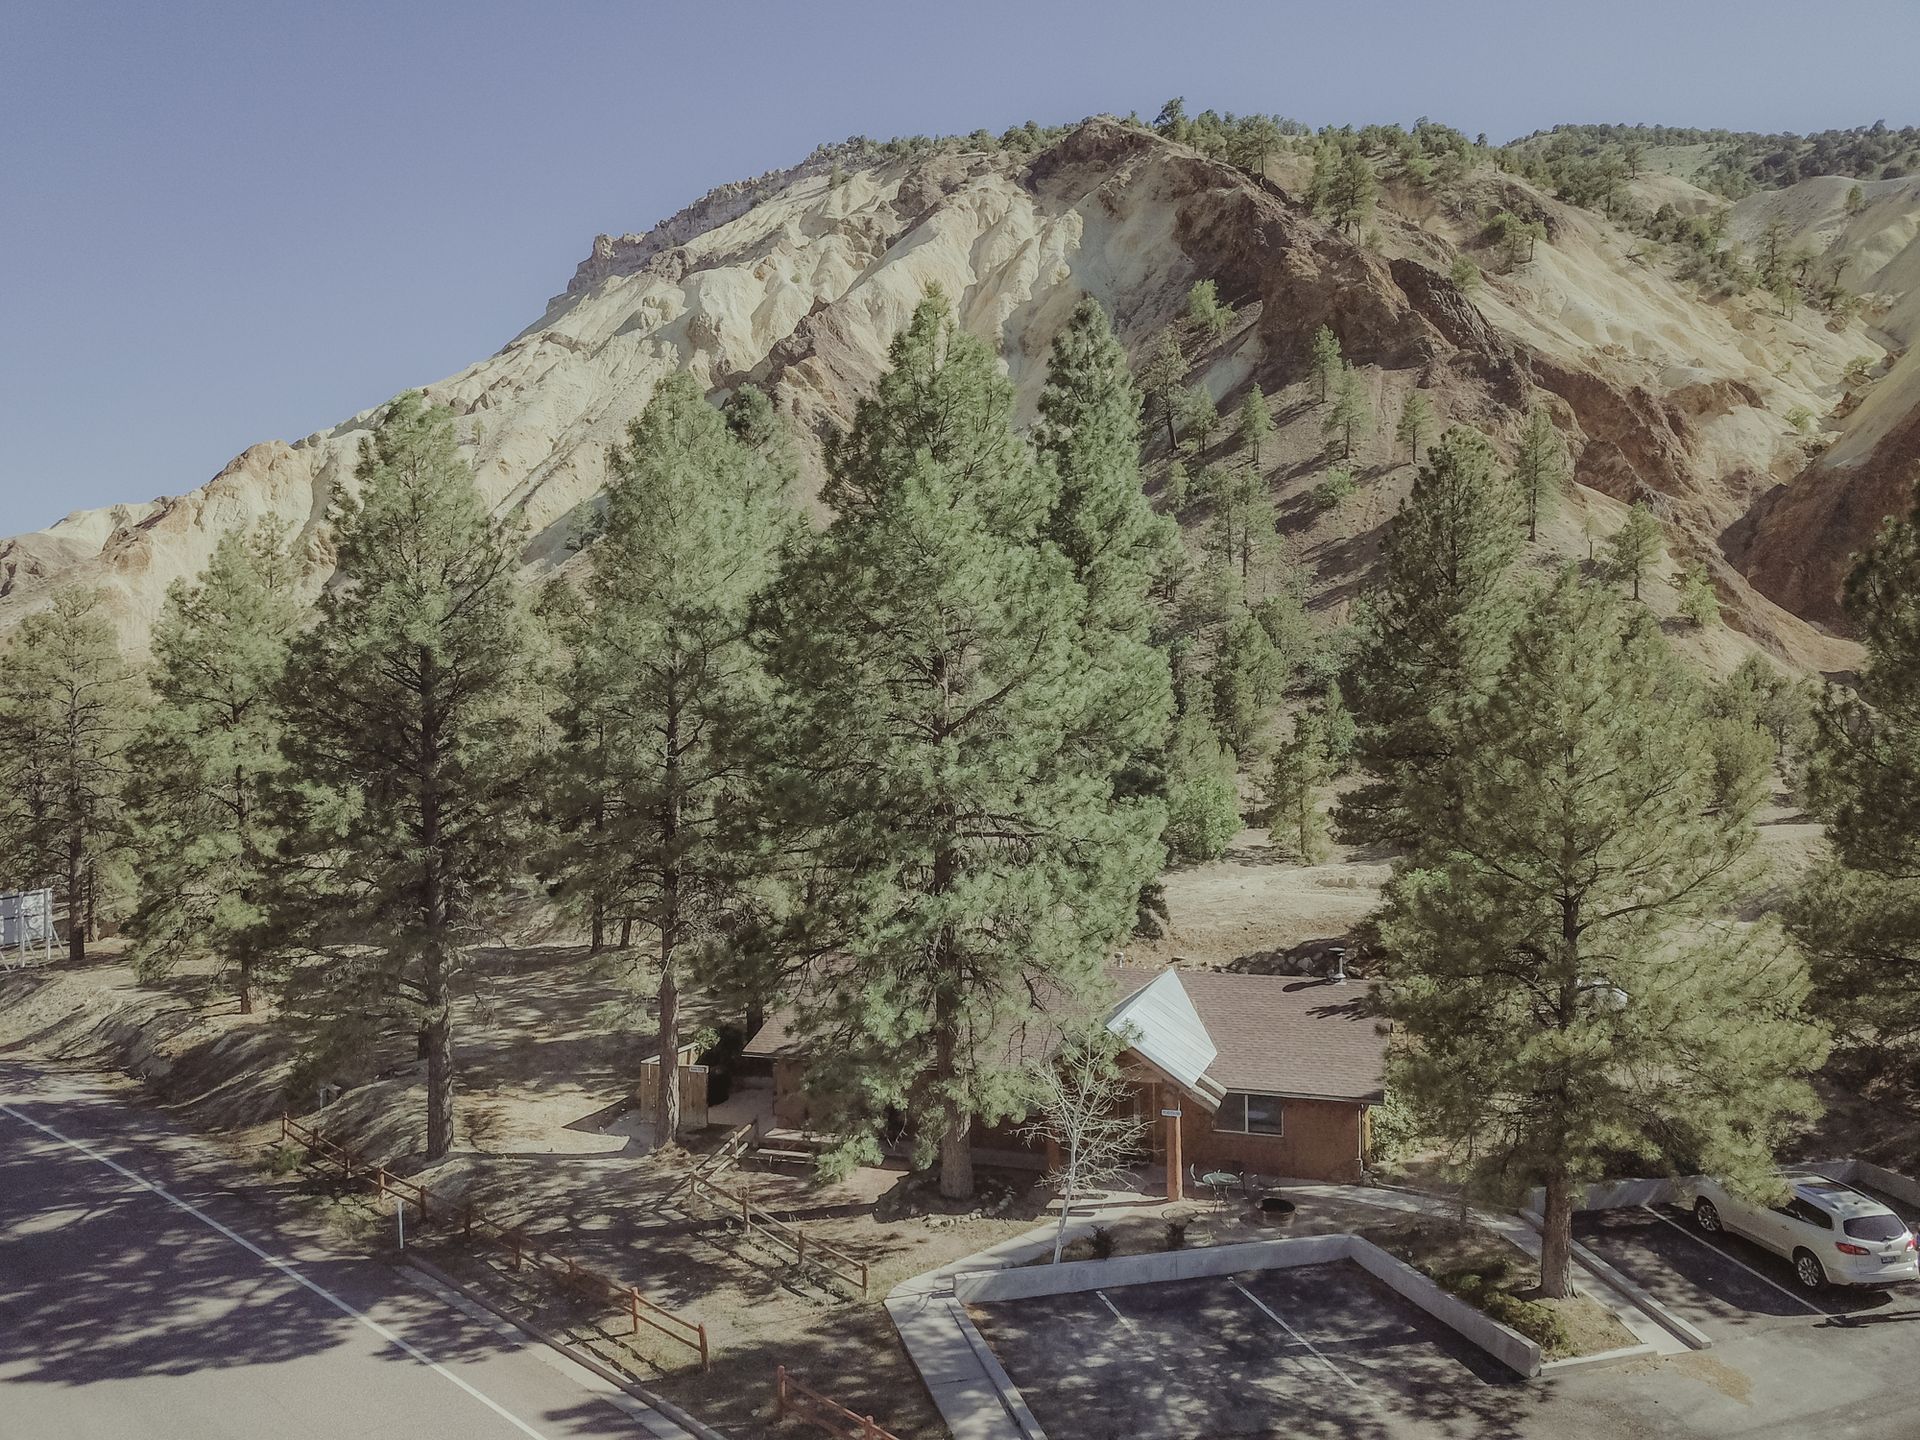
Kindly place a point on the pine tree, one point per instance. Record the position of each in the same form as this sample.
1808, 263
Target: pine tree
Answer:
1562, 963
1301, 767
1203, 797
1249, 675
1416, 423
1435, 631
931, 700
1205, 309
1859, 912
1199, 418
66, 697
1351, 415
1327, 364
694, 517
1634, 546
1539, 468
1253, 425
204, 826
408, 726
1163, 379
1699, 605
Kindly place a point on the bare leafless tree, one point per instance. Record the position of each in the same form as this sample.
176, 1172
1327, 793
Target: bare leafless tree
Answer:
1083, 1106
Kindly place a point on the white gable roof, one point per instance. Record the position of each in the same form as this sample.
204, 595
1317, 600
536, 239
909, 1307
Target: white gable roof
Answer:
1158, 1023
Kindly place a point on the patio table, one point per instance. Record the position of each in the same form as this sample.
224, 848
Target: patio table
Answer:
1222, 1183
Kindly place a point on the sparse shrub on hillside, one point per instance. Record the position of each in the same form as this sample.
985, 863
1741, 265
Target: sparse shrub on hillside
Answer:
1856, 200
1335, 489
1859, 370
1800, 420
1464, 273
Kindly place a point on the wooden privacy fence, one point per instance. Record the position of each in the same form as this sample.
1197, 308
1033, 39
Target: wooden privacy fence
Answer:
782, 1238
639, 1309
790, 1397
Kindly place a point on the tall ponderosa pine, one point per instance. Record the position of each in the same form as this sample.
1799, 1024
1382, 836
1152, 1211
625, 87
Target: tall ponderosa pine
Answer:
1163, 379
1416, 423
1435, 632
1301, 767
205, 830
1539, 468
1859, 911
66, 698
1563, 972
1252, 426
1635, 546
409, 720
660, 688
1203, 799
1350, 416
1326, 362
932, 703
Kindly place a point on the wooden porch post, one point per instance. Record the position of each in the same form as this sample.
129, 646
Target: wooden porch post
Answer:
1170, 1107
1053, 1155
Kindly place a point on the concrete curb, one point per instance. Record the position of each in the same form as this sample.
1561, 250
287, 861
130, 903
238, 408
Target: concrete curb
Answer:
1682, 1329
691, 1427
1602, 1357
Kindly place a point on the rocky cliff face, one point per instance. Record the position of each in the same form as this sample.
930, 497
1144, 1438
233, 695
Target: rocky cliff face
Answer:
799, 280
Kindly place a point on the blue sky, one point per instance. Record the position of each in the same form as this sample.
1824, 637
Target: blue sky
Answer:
223, 223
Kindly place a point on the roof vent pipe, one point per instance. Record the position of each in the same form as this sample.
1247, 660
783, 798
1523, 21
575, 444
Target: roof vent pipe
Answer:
1339, 953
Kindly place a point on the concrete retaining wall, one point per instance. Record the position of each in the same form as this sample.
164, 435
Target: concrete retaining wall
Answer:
1506, 1345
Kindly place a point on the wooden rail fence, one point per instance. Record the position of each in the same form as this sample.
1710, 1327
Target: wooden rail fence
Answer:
781, 1237
792, 1398
639, 1309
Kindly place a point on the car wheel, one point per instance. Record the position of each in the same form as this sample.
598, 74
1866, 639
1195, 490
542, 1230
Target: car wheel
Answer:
1806, 1269
1706, 1217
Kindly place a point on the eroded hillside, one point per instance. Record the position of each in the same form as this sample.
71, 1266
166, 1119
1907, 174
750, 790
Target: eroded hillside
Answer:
798, 281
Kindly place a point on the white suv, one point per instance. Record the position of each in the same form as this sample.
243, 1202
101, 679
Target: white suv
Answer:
1833, 1234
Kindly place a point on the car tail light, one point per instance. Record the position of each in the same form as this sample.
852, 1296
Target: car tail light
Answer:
1845, 1249
1912, 1244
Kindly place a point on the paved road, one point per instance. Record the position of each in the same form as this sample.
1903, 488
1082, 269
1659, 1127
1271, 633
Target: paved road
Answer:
187, 1312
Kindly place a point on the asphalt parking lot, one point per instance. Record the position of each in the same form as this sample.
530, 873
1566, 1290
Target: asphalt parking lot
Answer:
1724, 1284
1321, 1350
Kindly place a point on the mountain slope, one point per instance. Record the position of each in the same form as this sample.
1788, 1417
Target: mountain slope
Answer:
798, 281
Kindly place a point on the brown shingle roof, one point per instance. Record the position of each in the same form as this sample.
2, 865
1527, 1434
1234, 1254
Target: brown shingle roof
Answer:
1276, 1034
1286, 1034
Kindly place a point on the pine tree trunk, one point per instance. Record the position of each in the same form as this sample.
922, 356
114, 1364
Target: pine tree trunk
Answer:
956, 1148
597, 933
667, 1124
1556, 1236
435, 920
243, 985
439, 1035
77, 908
626, 931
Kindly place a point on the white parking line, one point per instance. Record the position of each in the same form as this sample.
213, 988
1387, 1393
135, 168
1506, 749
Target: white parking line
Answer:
1799, 1300
1312, 1348
281, 1265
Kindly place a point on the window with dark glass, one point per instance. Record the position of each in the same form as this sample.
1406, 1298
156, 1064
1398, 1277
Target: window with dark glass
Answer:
1248, 1114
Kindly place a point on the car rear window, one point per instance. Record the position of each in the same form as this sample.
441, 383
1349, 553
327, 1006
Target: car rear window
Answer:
1875, 1227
